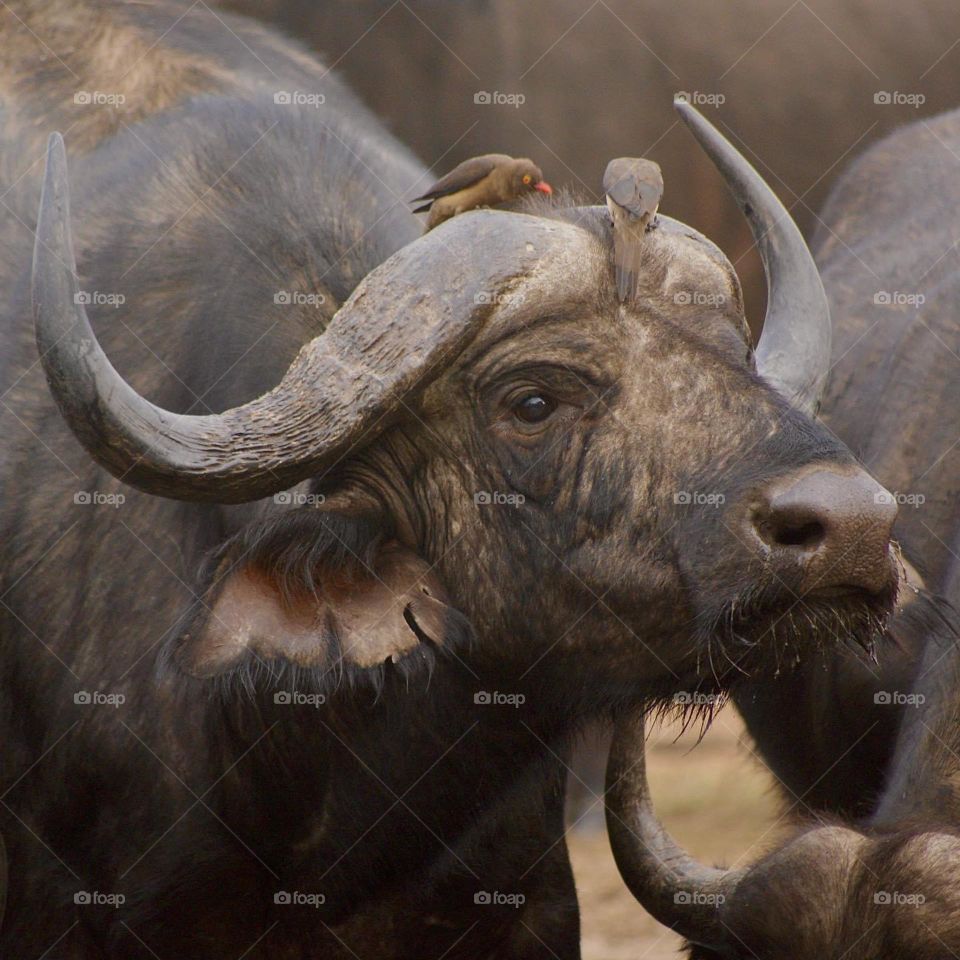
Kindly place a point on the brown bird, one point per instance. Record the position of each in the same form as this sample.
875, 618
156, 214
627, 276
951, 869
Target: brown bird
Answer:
633, 188
480, 182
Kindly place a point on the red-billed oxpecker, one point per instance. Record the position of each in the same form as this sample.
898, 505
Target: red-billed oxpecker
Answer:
481, 182
633, 188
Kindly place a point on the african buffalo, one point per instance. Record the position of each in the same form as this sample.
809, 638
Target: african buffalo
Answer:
483, 505
802, 86
887, 885
886, 252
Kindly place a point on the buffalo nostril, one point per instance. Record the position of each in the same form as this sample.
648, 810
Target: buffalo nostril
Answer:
807, 535
833, 524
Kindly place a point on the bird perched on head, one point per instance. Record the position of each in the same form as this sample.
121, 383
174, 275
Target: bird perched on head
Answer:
480, 182
633, 188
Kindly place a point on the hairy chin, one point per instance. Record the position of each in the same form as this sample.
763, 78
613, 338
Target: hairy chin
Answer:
764, 630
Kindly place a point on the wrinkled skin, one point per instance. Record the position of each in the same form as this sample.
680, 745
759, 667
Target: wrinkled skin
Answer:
403, 796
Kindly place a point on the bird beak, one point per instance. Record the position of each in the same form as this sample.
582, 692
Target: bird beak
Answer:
543, 187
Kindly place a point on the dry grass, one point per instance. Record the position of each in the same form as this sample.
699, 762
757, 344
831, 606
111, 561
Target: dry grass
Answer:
715, 799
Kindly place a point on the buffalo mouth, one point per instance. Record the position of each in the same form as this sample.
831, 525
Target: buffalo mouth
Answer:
770, 622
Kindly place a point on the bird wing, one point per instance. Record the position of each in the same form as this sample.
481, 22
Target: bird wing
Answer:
634, 184
462, 176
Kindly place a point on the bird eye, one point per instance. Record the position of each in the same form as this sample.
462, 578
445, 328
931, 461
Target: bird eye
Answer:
534, 408
527, 179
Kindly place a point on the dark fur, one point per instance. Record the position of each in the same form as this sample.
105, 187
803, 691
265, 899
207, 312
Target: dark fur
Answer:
887, 887
400, 798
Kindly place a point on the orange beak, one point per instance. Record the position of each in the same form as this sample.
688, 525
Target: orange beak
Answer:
543, 187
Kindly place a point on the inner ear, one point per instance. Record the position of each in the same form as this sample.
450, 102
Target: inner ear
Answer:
302, 593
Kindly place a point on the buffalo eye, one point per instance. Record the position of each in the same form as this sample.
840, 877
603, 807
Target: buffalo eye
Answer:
534, 408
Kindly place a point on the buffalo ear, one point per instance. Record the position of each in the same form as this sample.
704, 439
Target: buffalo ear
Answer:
319, 612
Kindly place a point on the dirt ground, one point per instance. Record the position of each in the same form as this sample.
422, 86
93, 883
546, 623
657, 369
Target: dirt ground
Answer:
714, 798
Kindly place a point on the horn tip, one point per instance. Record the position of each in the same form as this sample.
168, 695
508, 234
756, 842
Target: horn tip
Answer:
56, 153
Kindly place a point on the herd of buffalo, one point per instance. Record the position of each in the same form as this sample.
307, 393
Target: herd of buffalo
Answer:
326, 536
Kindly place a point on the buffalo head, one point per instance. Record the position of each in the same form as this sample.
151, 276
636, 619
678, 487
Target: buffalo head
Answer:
489, 435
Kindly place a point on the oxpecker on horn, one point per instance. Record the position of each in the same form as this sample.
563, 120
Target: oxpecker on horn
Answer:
633, 188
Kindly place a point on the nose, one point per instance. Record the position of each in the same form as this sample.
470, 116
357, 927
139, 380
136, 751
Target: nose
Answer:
833, 524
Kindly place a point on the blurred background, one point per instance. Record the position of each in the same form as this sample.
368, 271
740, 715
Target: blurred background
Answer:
800, 86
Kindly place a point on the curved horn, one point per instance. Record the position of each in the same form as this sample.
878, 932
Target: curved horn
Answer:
354, 375
680, 892
794, 348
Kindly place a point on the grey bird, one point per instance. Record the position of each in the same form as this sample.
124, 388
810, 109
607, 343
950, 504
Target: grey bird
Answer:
633, 187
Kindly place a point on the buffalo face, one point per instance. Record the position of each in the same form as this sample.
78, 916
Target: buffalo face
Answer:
492, 435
